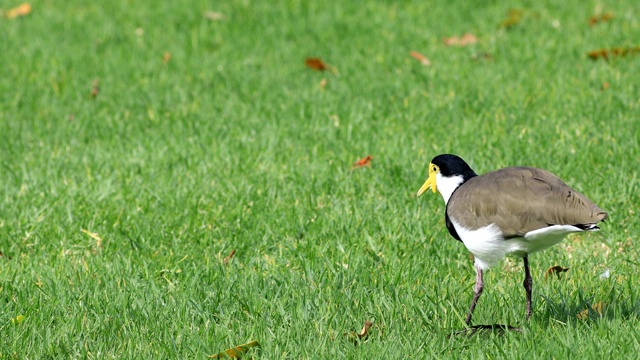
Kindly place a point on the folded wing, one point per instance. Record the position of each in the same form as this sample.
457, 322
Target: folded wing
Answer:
519, 200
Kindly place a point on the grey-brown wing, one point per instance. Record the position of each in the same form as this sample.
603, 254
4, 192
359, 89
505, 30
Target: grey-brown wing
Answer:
519, 200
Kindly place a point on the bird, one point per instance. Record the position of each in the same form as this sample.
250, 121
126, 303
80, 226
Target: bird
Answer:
514, 211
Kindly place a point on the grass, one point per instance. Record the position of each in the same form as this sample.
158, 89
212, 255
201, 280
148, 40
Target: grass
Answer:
232, 144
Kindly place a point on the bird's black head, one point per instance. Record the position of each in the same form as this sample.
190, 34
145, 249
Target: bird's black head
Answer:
452, 165
446, 173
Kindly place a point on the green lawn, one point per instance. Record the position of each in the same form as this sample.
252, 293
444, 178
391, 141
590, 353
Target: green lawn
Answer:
116, 211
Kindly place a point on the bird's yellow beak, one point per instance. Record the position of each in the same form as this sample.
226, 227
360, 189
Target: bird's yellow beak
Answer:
430, 183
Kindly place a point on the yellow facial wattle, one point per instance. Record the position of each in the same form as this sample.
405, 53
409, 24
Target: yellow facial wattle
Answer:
431, 181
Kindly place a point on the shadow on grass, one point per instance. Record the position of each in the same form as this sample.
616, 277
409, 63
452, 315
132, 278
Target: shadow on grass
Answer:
569, 310
497, 329
589, 309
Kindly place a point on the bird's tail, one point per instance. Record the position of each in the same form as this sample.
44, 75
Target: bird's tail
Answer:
587, 227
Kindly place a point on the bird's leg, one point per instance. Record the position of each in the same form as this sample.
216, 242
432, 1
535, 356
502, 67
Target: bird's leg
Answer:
527, 285
477, 292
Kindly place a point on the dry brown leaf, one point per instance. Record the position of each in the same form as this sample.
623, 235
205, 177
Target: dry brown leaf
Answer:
365, 330
235, 352
597, 307
606, 54
600, 18
21, 10
95, 89
214, 15
596, 54
466, 39
228, 258
355, 337
365, 161
557, 270
316, 64
166, 57
423, 59
319, 65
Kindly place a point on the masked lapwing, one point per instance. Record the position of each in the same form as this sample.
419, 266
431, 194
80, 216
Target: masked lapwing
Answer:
515, 210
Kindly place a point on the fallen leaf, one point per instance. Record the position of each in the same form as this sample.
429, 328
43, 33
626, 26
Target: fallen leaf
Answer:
466, 39
95, 90
365, 161
611, 53
423, 59
214, 15
597, 307
362, 335
228, 258
596, 54
514, 16
316, 64
557, 270
365, 330
166, 57
21, 10
235, 352
600, 18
